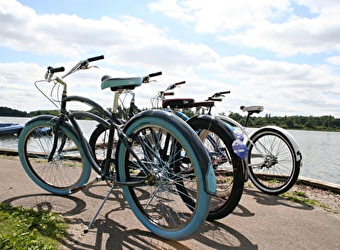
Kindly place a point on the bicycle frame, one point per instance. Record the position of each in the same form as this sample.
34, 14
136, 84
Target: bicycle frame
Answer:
111, 123
251, 110
248, 141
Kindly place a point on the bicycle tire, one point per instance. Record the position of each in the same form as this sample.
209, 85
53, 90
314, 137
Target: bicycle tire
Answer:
276, 168
157, 204
98, 143
228, 167
66, 170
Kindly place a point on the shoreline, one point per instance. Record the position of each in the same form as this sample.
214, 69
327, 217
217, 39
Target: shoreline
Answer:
328, 186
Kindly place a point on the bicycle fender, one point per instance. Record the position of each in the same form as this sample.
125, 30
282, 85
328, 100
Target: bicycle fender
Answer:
48, 118
211, 119
288, 135
41, 117
89, 161
204, 161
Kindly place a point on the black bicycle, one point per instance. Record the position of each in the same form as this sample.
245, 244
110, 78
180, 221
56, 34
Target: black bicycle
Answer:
215, 136
156, 156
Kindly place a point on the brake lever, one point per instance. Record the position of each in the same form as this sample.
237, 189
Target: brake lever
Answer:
84, 64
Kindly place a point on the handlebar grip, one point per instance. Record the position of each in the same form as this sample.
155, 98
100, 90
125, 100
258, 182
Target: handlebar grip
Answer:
179, 83
55, 70
214, 99
96, 58
168, 93
225, 92
155, 74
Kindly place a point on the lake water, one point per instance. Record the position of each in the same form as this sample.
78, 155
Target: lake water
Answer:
320, 150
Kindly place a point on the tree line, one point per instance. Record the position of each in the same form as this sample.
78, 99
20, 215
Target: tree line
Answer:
322, 123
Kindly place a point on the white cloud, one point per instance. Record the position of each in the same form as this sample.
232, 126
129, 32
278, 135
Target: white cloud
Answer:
219, 15
334, 60
281, 87
172, 9
70, 35
308, 36
127, 41
133, 45
317, 5
271, 25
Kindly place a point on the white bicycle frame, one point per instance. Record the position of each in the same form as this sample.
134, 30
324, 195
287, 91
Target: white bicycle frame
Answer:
247, 135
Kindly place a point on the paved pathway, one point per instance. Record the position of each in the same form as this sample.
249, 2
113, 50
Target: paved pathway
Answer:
259, 222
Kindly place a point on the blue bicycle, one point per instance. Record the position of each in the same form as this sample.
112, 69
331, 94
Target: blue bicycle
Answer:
157, 156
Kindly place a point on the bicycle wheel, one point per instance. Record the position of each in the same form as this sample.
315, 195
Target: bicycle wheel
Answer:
172, 155
66, 170
228, 167
272, 164
98, 142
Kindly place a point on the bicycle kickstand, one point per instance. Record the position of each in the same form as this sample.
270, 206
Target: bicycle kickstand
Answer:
100, 208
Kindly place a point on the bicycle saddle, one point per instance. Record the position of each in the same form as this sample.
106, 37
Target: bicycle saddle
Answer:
178, 103
120, 83
252, 109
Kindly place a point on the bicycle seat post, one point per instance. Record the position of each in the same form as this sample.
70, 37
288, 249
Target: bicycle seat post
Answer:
247, 119
115, 101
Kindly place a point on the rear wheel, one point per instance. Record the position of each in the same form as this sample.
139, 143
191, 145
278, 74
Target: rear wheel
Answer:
272, 164
228, 167
98, 144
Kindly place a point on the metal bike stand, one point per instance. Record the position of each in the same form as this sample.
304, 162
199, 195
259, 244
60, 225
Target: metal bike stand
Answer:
100, 207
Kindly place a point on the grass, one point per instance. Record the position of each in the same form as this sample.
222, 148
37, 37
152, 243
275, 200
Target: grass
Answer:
22, 228
8, 157
301, 197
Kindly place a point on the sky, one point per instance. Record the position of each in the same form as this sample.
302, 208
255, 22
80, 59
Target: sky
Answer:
282, 54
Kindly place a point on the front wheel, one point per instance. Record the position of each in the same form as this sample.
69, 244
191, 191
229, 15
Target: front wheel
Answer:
165, 154
57, 173
272, 164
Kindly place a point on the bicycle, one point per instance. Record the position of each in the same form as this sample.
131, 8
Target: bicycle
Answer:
274, 159
217, 140
272, 156
155, 158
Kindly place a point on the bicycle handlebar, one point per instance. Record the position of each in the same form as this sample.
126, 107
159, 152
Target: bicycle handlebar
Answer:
155, 74
55, 70
214, 99
179, 83
218, 94
174, 85
96, 58
84, 64
146, 79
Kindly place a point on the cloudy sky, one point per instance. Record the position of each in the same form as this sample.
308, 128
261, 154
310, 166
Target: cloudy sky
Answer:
281, 54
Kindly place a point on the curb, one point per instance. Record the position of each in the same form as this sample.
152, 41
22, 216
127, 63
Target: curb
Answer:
301, 180
319, 184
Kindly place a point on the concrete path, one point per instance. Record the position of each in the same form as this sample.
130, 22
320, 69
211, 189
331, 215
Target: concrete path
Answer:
259, 222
